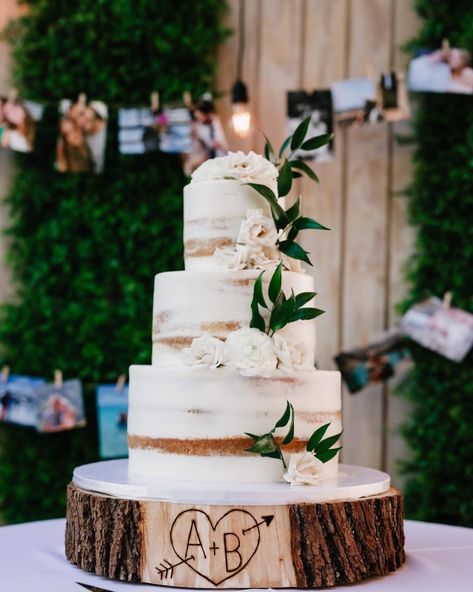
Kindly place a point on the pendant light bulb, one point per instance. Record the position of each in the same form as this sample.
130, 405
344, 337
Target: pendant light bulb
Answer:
241, 117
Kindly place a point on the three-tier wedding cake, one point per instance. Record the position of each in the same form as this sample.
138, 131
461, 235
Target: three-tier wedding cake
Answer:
233, 477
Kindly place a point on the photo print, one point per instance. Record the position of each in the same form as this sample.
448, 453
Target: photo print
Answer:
317, 105
60, 407
359, 101
445, 70
383, 358
440, 328
138, 131
19, 401
208, 138
112, 416
18, 121
175, 125
82, 136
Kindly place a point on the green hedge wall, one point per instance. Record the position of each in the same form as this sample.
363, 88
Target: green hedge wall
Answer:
85, 248
440, 473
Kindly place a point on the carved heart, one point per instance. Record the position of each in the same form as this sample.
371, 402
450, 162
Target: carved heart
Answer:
215, 551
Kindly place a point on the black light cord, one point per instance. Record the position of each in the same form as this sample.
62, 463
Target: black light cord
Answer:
241, 38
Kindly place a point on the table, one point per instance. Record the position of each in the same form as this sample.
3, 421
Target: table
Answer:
439, 559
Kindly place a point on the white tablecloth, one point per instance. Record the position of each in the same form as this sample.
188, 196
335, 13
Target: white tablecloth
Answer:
439, 559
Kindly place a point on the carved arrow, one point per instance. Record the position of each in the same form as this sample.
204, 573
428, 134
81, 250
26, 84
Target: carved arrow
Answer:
166, 569
266, 520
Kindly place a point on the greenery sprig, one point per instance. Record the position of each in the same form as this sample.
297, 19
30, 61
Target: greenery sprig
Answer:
282, 310
289, 221
267, 445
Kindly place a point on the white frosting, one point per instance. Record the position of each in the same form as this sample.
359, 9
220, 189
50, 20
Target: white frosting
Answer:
193, 405
190, 304
213, 213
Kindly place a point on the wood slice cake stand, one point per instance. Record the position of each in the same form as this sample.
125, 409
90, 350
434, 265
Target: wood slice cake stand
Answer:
226, 535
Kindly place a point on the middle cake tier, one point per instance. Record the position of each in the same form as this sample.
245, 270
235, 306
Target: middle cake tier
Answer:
189, 304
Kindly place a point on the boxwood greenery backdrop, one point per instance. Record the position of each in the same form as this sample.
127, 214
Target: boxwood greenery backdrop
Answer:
85, 248
439, 432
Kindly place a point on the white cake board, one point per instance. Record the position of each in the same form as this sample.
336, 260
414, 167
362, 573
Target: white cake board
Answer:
112, 478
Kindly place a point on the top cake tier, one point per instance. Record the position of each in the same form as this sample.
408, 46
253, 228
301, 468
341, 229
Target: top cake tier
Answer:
213, 212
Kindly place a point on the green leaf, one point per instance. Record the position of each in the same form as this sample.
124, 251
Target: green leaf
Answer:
258, 296
302, 166
279, 216
294, 250
296, 175
281, 314
265, 191
290, 434
275, 284
285, 144
317, 142
293, 211
304, 223
263, 445
275, 454
253, 436
326, 444
284, 179
303, 298
292, 234
328, 454
317, 437
285, 417
306, 314
268, 150
257, 321
300, 134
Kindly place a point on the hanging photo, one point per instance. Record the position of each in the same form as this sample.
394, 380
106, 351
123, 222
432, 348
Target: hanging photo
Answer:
82, 137
317, 105
393, 98
60, 407
445, 70
208, 139
18, 120
19, 401
112, 415
442, 329
175, 126
384, 357
351, 100
138, 131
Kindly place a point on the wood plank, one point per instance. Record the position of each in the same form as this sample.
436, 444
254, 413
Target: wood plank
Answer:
402, 235
323, 58
365, 232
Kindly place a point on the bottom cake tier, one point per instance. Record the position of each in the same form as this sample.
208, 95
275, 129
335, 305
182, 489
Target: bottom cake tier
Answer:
190, 424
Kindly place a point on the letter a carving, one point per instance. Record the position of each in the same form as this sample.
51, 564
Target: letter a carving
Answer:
231, 544
193, 540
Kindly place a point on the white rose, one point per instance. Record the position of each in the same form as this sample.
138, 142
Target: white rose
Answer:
304, 469
257, 230
247, 168
291, 356
265, 258
228, 258
251, 352
205, 352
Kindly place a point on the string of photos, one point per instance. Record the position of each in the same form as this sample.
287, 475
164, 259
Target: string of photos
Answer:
193, 129
432, 323
58, 406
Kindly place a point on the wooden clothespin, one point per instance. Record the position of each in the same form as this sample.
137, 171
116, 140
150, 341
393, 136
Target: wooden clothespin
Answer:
4, 374
13, 95
155, 101
82, 99
58, 382
447, 299
445, 44
187, 99
120, 383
